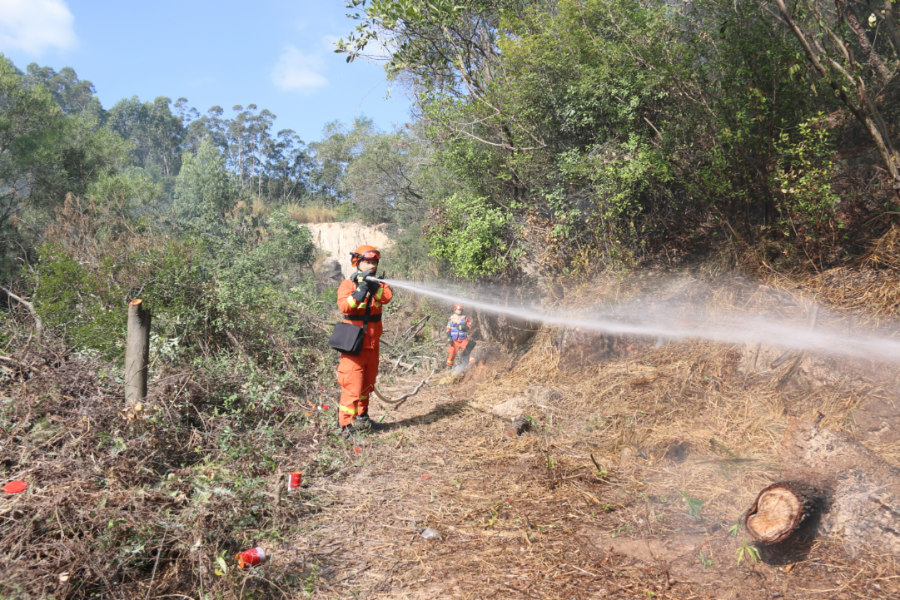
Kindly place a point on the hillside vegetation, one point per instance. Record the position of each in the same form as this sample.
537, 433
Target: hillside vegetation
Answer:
571, 154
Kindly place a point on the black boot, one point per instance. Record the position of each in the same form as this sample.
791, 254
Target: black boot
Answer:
364, 423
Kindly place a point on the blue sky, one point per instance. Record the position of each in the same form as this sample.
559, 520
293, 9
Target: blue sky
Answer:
277, 54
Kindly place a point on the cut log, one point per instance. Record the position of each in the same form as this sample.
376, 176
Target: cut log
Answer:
517, 427
780, 510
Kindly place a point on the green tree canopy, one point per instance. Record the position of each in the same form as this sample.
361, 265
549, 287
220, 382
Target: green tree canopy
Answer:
204, 189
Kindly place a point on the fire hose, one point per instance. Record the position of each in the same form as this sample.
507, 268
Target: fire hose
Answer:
396, 403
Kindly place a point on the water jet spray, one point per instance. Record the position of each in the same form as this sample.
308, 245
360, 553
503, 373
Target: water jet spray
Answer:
693, 322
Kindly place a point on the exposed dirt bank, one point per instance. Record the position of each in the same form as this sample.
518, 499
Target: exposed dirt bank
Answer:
337, 240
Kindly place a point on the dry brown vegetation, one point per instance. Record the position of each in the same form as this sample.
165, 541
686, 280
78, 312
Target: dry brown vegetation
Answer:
311, 213
631, 482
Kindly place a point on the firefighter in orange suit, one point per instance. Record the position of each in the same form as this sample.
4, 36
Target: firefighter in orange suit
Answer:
357, 373
459, 331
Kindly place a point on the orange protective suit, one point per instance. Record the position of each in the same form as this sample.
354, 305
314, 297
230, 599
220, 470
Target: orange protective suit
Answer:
357, 374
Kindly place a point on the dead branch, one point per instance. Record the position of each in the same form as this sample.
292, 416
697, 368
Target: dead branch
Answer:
22, 367
38, 324
415, 328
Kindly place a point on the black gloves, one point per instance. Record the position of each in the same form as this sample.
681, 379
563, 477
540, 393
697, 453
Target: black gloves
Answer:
359, 295
363, 286
449, 337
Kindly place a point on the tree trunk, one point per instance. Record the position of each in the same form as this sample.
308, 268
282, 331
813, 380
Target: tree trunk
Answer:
864, 109
890, 23
780, 510
137, 351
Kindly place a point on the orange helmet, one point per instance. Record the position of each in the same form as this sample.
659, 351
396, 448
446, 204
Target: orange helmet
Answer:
364, 253
457, 307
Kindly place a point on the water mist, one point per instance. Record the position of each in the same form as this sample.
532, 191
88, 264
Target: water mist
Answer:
686, 316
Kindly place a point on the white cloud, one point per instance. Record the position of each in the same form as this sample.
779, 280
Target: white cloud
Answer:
36, 25
299, 71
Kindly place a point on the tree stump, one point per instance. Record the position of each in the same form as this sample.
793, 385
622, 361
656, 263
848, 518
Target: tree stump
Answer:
780, 510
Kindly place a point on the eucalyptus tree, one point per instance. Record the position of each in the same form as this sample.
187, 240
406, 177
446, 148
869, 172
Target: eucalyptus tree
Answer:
247, 134
211, 126
73, 95
204, 188
31, 129
332, 155
48, 153
156, 135
286, 169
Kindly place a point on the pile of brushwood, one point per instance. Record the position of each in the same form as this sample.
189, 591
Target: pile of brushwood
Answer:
122, 499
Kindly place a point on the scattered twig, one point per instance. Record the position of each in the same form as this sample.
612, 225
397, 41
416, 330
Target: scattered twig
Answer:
793, 368
155, 565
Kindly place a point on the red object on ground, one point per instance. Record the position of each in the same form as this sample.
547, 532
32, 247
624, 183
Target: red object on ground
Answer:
14, 487
250, 558
294, 480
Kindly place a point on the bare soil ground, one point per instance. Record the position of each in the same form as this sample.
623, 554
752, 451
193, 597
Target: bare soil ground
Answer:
628, 485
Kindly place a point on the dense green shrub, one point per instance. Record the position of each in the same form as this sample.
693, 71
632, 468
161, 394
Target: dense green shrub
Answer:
472, 236
79, 302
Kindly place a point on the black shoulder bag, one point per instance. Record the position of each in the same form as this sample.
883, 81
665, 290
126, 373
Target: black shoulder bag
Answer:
347, 337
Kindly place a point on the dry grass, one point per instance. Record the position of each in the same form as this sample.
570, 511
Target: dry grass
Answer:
640, 461
310, 213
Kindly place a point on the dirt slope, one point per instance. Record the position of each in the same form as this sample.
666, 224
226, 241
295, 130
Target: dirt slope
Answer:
337, 240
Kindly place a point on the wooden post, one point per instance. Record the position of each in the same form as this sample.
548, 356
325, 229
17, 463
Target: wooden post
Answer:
137, 351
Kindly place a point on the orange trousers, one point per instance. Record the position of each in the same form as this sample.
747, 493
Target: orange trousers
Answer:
456, 347
356, 376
